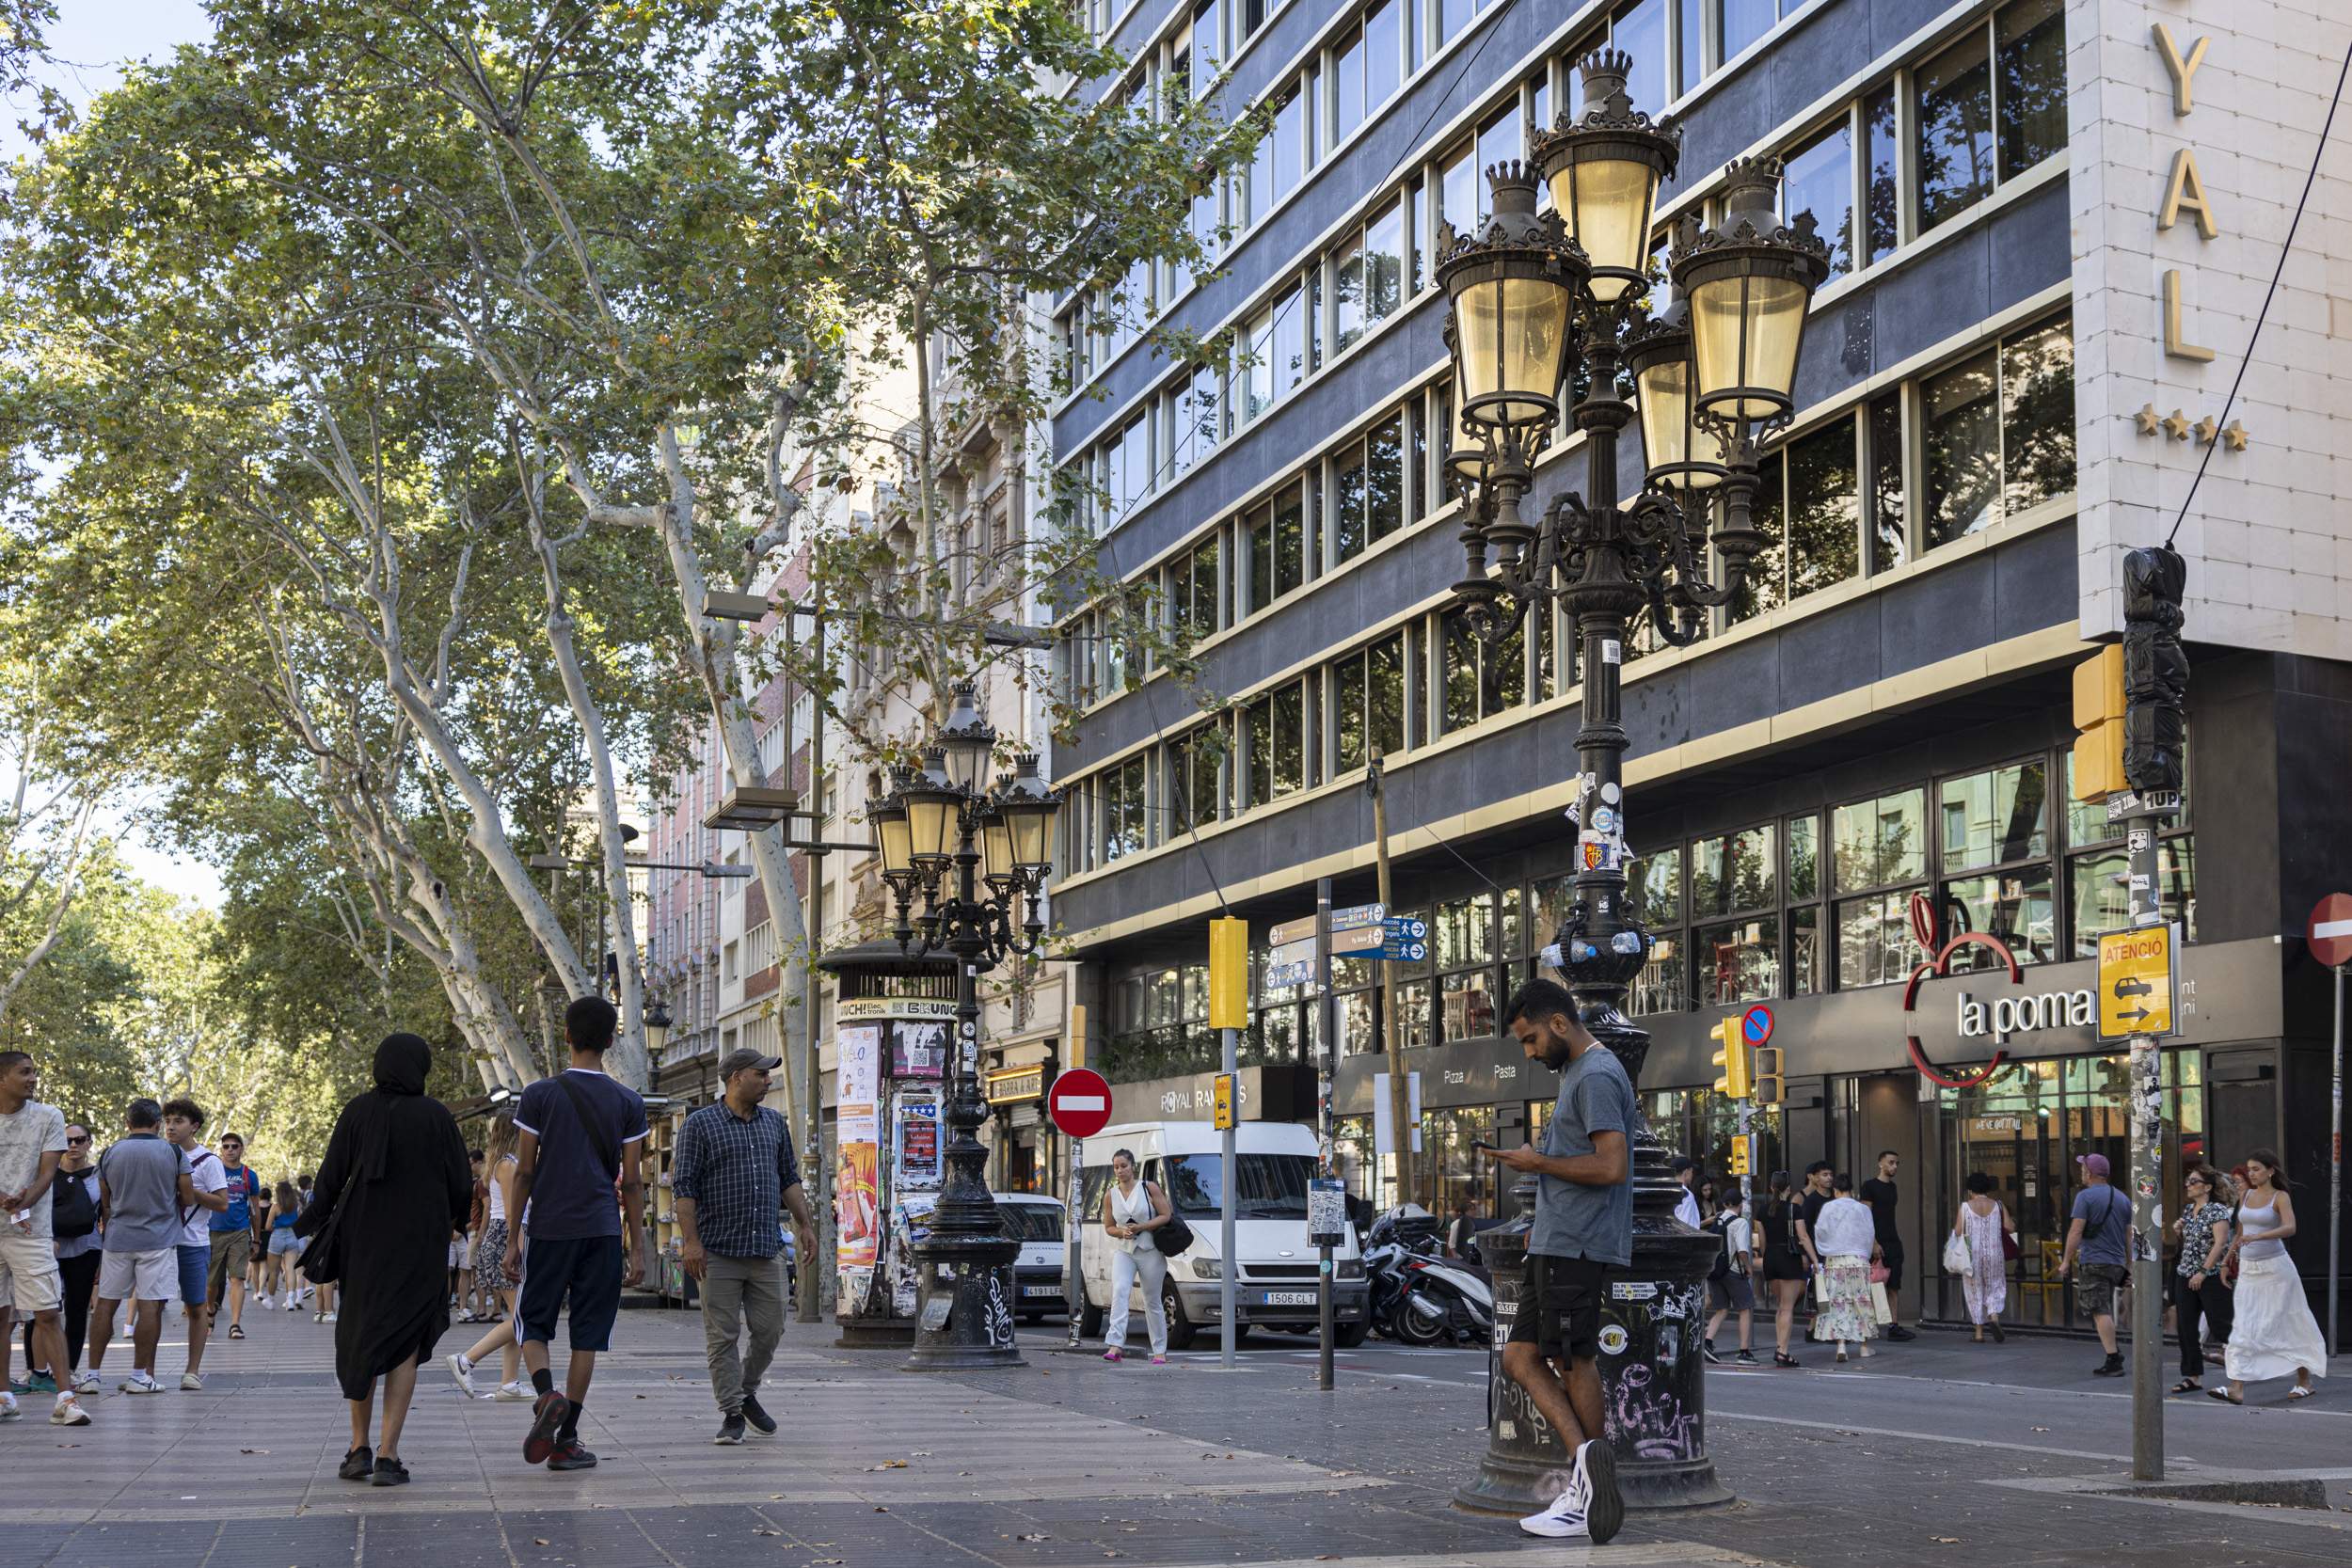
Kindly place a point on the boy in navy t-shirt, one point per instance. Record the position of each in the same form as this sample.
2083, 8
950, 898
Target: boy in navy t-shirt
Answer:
576, 1137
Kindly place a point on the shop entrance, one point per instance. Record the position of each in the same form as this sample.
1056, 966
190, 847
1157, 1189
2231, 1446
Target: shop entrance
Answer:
2025, 1130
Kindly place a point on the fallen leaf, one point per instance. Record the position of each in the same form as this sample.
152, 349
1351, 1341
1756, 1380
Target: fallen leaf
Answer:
1947, 1540
538, 1540
889, 1464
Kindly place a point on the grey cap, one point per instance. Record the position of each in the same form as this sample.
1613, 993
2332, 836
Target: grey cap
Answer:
736, 1061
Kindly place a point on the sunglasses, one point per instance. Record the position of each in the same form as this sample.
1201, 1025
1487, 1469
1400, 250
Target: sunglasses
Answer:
70, 1142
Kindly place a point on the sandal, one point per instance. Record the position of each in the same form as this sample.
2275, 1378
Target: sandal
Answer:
2226, 1397
2186, 1385
236, 1331
2302, 1391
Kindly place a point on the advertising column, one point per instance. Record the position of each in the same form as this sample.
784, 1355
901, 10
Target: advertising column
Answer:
857, 1186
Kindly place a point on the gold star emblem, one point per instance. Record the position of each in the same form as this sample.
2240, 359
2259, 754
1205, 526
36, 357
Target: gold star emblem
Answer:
2149, 418
2177, 426
2205, 428
2235, 435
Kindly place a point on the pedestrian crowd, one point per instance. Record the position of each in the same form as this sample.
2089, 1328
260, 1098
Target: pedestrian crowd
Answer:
411, 1228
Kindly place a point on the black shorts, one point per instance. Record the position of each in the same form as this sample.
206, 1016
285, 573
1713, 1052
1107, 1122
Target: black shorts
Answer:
1891, 1254
586, 1272
1559, 1307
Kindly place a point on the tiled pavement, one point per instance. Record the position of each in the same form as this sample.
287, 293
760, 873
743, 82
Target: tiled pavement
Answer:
1062, 1461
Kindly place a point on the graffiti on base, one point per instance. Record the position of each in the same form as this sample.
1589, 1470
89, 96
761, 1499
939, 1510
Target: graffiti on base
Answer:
999, 1315
1648, 1420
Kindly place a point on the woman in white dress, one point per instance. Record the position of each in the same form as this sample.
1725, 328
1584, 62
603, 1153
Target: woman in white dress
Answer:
1131, 1211
1982, 1222
1847, 1241
2272, 1332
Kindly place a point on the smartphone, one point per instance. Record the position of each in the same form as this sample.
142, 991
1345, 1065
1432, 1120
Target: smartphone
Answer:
1481, 1143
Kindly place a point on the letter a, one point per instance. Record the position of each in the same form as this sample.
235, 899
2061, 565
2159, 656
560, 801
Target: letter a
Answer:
2185, 189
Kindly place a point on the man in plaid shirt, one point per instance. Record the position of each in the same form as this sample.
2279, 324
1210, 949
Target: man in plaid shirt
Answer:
734, 1170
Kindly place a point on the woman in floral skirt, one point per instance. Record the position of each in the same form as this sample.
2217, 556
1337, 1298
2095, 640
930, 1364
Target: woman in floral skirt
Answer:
1847, 1242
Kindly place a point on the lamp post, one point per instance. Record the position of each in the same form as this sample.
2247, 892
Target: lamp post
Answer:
1538, 299
961, 862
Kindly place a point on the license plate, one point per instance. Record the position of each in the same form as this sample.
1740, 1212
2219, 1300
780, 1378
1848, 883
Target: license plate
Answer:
1290, 1298
1041, 1290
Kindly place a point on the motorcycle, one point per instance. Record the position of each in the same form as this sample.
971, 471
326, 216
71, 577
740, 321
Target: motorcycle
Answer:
1418, 1296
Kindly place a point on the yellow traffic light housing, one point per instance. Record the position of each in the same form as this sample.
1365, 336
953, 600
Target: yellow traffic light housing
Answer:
1766, 1079
2099, 717
1733, 1058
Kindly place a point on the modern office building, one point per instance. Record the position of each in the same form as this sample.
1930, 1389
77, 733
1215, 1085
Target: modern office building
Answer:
2051, 224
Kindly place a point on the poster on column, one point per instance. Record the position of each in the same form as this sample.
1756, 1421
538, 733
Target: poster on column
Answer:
917, 1169
918, 1049
857, 1214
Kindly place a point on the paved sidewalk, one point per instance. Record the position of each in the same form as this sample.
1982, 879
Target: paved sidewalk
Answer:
1068, 1460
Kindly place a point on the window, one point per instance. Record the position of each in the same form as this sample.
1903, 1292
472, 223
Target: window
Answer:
1500, 139
1286, 163
1882, 158
1197, 596
1654, 883
1347, 503
1639, 30
1348, 293
1384, 262
1286, 349
1462, 939
1808, 507
1288, 733
2029, 44
2003, 83
1890, 539
1384, 478
1258, 528
1818, 178
1192, 792
1347, 85
1384, 52
1478, 680
1998, 820
1289, 542
1743, 22
1121, 806
1998, 432
1259, 375
1874, 844
1207, 47
1739, 962
1460, 191
1691, 60
1955, 110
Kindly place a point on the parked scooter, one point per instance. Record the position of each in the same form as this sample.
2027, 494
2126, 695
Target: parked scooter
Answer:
1417, 1295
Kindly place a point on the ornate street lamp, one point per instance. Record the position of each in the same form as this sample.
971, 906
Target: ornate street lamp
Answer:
974, 860
1713, 377
656, 1028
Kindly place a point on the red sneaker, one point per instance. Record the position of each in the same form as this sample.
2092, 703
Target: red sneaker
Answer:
547, 1416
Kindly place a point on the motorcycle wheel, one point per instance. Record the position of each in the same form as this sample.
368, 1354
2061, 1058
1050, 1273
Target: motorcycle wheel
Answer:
1348, 1336
1415, 1330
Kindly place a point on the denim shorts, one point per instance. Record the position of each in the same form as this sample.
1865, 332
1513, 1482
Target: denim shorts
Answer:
194, 1262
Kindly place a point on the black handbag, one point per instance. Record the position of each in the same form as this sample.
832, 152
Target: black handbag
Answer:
73, 1212
1172, 1236
321, 1261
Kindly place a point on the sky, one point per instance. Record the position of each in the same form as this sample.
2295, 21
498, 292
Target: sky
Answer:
92, 41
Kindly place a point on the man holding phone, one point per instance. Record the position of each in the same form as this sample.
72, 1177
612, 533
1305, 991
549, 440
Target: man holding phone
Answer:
1584, 1228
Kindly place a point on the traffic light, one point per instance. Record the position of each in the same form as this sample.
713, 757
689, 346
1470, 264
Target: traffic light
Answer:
1766, 1079
2099, 717
2155, 669
1732, 1058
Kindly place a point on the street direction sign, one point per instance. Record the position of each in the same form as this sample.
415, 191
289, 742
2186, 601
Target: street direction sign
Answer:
1356, 940
1404, 950
2329, 931
2136, 982
1080, 1104
1357, 914
1303, 928
1292, 931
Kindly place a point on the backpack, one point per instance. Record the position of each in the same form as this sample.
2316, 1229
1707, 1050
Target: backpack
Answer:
1721, 1229
73, 1212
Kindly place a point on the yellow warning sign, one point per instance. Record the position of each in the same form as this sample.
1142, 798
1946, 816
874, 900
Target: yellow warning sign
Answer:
1223, 1103
1740, 1163
2136, 982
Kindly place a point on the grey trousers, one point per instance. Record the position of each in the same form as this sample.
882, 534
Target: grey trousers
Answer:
739, 1293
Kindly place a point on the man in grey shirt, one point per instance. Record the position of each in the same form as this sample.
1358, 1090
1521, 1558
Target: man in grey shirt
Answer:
143, 1189
1583, 1226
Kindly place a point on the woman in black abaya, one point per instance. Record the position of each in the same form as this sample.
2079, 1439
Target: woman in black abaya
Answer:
396, 1173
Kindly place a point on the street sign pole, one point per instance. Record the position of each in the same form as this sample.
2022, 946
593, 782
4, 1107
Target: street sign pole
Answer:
2329, 932
1229, 1178
1073, 1280
1326, 1048
2147, 1135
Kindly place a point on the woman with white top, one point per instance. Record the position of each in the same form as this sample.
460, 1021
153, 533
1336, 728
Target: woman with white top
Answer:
2272, 1332
1131, 1211
1980, 1223
1847, 1241
498, 1173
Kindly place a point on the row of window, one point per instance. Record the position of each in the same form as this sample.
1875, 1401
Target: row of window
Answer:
1791, 907
1984, 111
1988, 436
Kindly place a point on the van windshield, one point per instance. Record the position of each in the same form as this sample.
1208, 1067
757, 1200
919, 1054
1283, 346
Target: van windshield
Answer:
1032, 1222
1272, 1186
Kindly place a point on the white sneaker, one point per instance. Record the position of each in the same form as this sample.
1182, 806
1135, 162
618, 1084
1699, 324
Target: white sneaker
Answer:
140, 1382
1560, 1521
261, 1302
326, 1317
518, 1390
191, 1384
68, 1412
8, 1412
294, 1303
1604, 1505
85, 1381
462, 1369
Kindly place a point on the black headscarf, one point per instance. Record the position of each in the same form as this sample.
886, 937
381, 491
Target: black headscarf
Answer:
402, 1063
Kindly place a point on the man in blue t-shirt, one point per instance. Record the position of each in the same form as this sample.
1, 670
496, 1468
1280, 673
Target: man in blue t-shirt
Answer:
230, 1233
575, 1135
2100, 1235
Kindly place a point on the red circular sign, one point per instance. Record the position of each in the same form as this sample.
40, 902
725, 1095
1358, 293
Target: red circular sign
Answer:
1081, 1102
2330, 929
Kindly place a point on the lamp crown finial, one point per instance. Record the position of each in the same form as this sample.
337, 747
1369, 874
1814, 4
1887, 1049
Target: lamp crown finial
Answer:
1606, 72
1751, 194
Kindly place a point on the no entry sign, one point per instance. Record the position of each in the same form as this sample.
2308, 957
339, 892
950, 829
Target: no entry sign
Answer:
1080, 1104
2330, 930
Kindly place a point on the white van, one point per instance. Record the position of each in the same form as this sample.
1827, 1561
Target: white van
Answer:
1036, 1221
1276, 1285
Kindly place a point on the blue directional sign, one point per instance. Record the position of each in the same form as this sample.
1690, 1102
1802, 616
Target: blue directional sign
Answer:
1403, 941
1403, 951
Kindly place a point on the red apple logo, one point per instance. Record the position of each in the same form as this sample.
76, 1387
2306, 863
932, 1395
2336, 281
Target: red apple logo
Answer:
1929, 930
